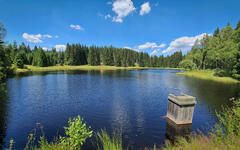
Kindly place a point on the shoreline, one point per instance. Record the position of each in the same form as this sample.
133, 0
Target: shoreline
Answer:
29, 68
208, 75
200, 74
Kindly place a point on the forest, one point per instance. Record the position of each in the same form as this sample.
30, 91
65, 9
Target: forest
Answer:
77, 54
219, 52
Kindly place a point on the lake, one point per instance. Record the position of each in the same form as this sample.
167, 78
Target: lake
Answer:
133, 101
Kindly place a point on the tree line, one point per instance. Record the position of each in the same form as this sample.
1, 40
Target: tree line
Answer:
4, 64
220, 51
77, 54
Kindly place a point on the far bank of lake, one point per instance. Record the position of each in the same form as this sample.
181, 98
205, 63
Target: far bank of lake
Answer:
201, 74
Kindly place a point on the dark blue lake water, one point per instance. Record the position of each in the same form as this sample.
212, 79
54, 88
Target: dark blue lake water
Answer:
134, 101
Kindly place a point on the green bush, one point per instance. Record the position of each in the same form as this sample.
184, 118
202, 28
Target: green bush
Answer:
76, 133
220, 73
187, 64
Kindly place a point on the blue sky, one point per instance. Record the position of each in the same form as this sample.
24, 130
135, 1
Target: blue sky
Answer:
154, 26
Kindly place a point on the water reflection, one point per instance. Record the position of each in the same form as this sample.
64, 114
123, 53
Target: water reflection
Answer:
173, 130
3, 118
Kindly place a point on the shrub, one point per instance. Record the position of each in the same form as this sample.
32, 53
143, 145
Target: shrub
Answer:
76, 133
219, 73
187, 64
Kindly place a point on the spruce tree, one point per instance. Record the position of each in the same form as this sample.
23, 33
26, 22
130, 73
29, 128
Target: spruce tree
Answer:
238, 25
216, 32
19, 61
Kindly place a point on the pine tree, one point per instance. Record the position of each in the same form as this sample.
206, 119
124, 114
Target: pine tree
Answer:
61, 58
39, 58
216, 32
19, 61
238, 25
4, 60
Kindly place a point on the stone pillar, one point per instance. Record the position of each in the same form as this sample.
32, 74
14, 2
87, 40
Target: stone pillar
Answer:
181, 108
173, 130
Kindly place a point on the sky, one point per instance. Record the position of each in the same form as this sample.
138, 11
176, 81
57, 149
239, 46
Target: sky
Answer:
159, 27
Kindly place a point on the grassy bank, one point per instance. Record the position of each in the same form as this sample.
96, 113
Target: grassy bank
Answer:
201, 74
208, 75
29, 68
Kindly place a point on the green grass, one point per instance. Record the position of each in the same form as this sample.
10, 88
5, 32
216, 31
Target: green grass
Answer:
207, 75
108, 143
29, 68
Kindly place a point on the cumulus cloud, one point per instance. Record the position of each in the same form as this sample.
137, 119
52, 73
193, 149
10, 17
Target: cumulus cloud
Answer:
122, 8
60, 47
183, 43
37, 38
76, 27
45, 49
155, 52
32, 38
150, 45
145, 8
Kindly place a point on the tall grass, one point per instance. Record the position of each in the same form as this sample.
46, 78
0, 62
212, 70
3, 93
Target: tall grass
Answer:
105, 142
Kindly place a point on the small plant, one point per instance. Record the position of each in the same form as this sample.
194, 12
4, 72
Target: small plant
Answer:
107, 143
11, 144
76, 133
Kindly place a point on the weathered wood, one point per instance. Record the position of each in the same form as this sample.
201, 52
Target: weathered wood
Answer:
181, 108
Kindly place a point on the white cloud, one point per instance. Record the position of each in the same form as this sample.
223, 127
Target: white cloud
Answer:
183, 43
122, 8
107, 16
145, 8
155, 52
60, 47
37, 38
47, 36
45, 49
76, 27
127, 47
56, 36
32, 38
150, 45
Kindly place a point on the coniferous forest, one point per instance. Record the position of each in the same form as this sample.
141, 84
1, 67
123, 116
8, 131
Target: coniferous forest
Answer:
77, 54
220, 51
